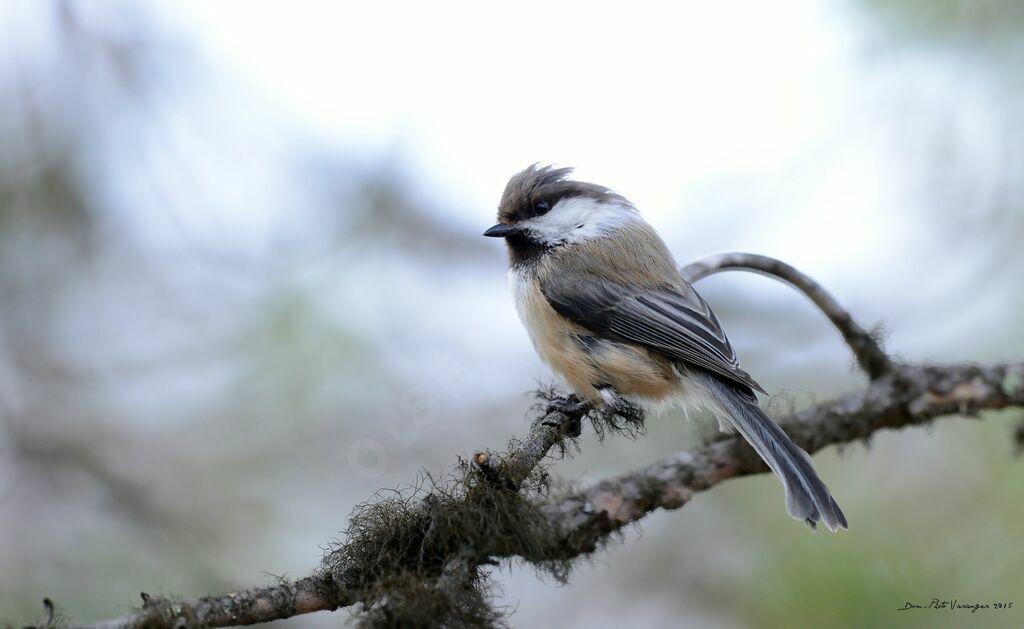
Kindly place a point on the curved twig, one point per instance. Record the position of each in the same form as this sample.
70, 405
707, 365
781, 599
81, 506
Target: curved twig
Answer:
870, 356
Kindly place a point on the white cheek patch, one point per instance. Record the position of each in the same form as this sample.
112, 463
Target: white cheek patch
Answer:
577, 219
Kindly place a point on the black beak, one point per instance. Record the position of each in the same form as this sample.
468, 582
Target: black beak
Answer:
500, 230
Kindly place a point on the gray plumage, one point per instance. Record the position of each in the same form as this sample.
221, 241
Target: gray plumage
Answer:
807, 497
671, 319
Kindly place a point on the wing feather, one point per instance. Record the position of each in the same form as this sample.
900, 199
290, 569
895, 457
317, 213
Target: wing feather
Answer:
672, 320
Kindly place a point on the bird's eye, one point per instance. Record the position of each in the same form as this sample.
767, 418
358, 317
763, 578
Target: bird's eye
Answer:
542, 208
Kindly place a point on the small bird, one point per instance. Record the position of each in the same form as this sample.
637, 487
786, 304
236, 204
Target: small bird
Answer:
608, 310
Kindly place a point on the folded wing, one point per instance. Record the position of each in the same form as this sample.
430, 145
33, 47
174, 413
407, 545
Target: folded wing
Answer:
672, 320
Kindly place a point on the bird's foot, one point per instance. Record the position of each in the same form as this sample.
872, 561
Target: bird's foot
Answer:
574, 409
618, 406
572, 405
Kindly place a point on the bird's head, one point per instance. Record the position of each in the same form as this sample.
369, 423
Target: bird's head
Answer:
542, 208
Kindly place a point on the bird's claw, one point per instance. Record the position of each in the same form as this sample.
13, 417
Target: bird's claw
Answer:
574, 409
570, 405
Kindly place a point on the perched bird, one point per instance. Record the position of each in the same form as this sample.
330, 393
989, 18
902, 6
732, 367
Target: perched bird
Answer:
606, 307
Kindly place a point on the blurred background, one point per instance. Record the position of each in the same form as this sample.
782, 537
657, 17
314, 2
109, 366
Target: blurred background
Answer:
242, 284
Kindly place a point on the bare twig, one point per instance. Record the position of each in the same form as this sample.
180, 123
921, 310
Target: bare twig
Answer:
49, 618
256, 605
870, 356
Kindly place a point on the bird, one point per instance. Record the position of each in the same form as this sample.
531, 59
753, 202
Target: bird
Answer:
606, 307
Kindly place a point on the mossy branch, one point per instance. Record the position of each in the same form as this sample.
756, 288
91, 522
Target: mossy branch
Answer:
418, 557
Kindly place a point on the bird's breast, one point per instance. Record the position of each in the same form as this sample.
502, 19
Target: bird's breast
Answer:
548, 330
586, 361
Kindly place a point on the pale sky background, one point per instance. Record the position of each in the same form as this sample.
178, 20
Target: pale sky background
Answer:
774, 113
652, 100
774, 121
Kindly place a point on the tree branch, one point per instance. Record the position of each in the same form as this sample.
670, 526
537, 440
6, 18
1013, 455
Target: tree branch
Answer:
870, 356
577, 523
256, 605
561, 419
907, 396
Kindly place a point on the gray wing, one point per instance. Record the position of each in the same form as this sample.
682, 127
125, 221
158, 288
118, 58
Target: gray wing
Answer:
676, 322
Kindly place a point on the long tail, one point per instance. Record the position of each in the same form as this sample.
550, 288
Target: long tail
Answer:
807, 497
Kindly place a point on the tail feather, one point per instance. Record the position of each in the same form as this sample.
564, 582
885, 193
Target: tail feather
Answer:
807, 497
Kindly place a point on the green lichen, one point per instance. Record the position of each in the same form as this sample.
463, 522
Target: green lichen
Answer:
398, 545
